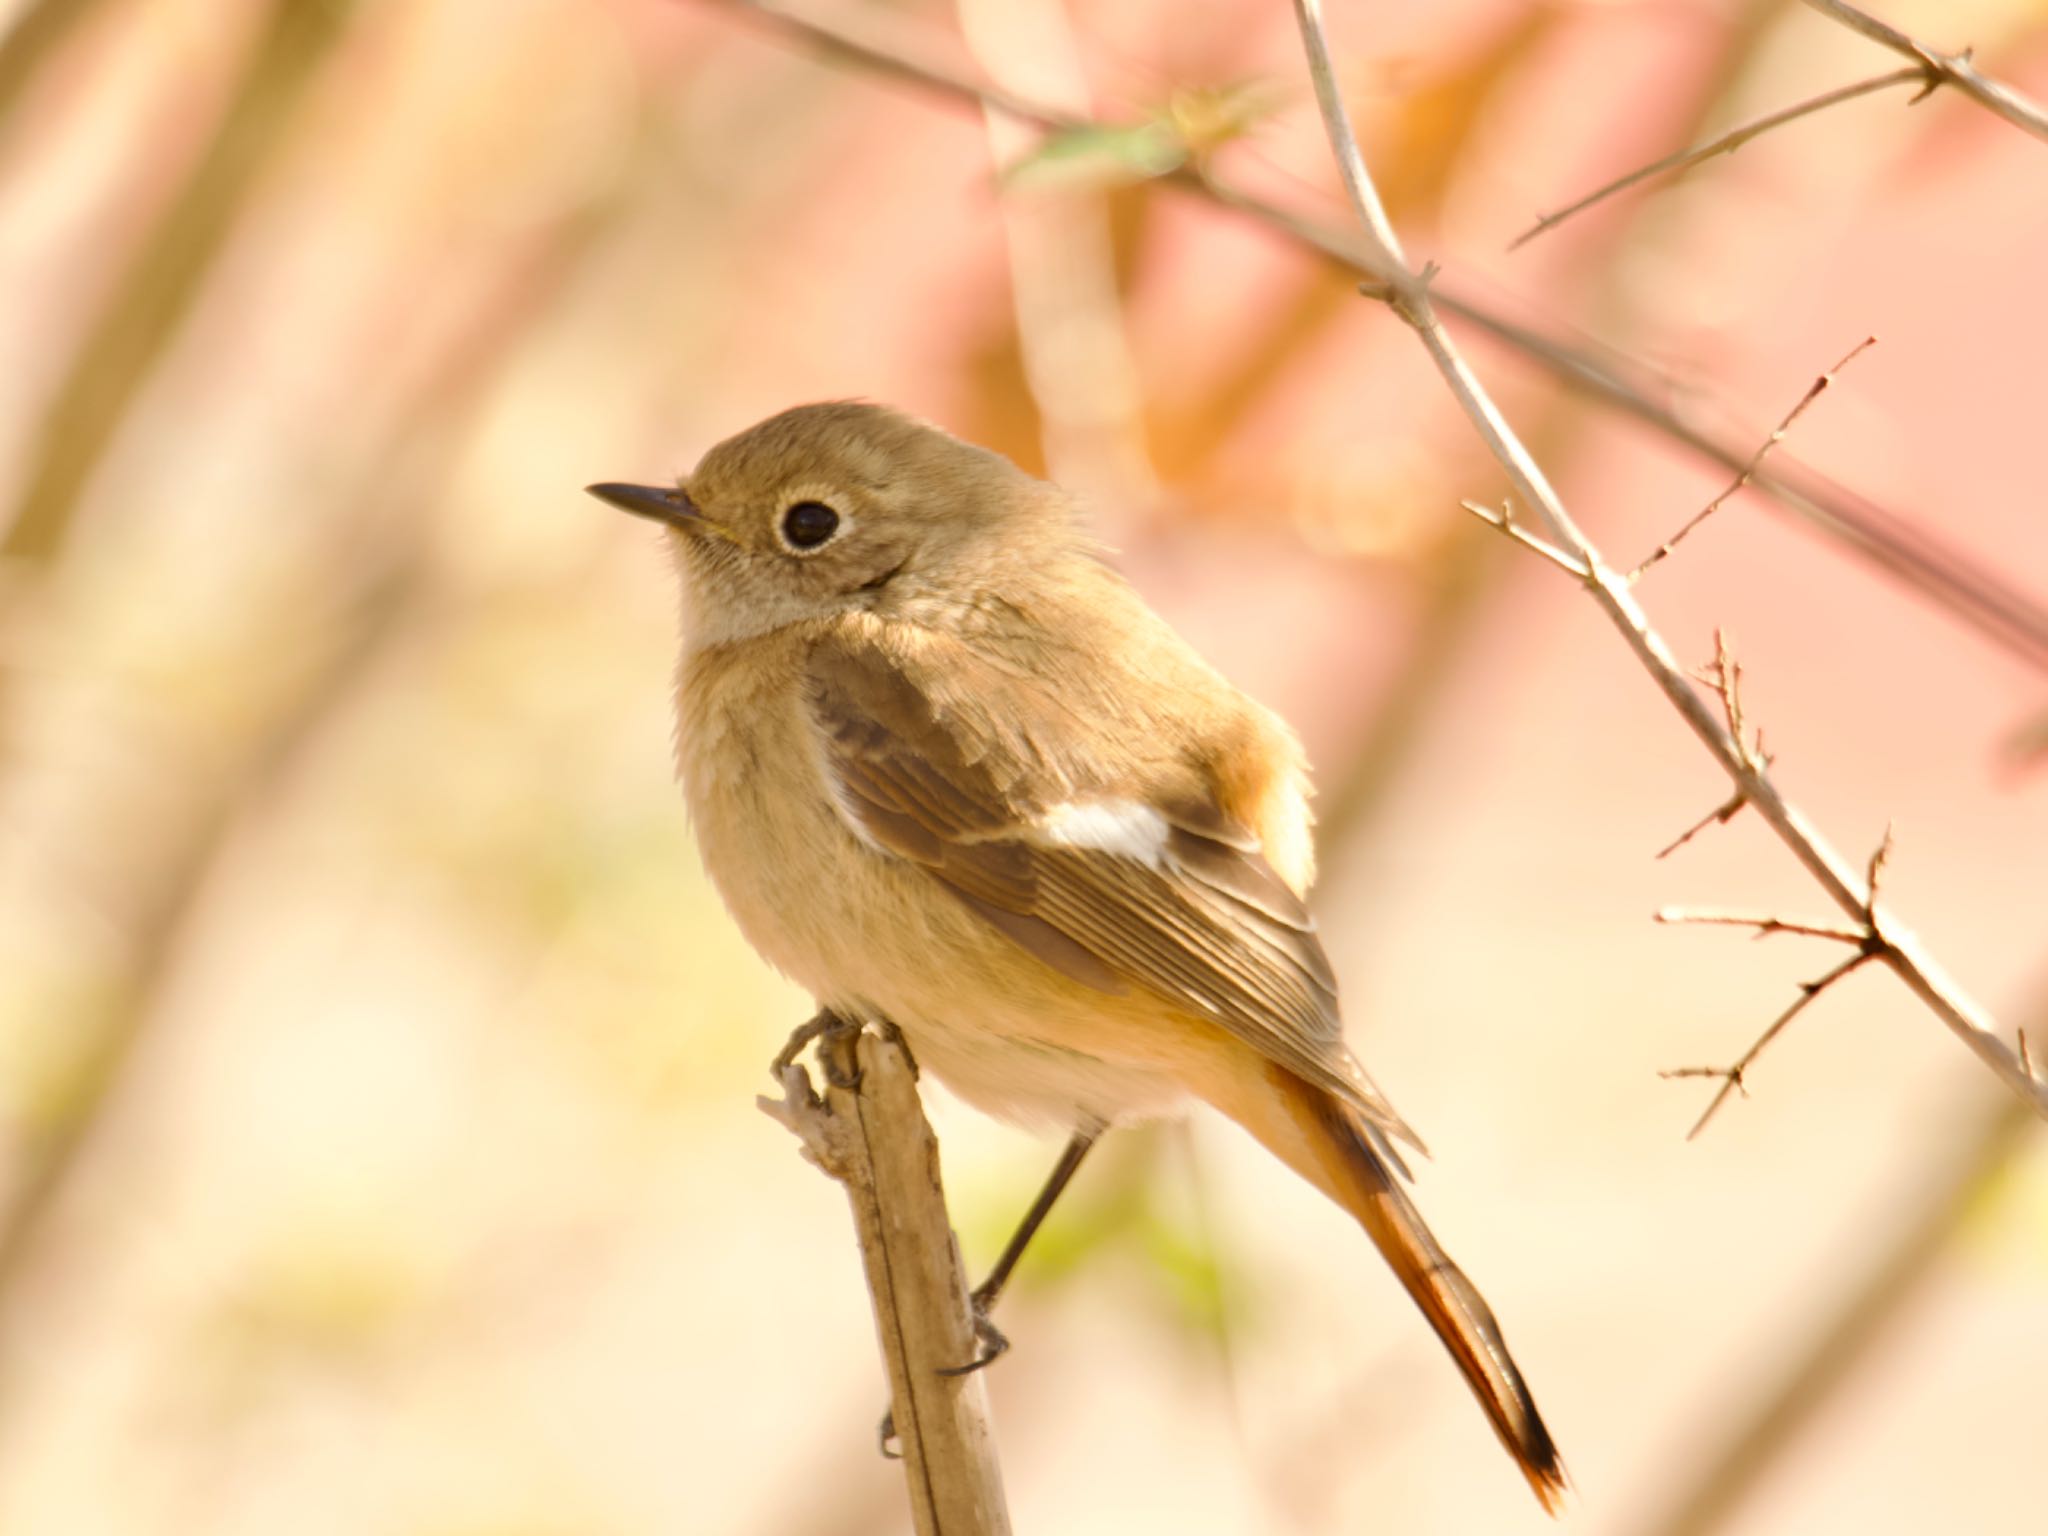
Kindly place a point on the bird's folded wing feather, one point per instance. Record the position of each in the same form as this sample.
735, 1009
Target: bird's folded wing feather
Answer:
1148, 885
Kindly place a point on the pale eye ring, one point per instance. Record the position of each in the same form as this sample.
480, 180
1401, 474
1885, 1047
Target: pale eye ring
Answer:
808, 525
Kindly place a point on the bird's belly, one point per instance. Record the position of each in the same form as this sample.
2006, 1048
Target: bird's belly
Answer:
868, 933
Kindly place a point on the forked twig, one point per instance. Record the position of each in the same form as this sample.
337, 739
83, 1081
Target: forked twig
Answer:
1733, 1077
1724, 676
1951, 68
1504, 520
1869, 944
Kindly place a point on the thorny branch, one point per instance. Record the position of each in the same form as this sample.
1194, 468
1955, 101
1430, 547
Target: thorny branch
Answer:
1408, 294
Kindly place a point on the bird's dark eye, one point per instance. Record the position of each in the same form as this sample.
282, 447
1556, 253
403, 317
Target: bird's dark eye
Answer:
809, 524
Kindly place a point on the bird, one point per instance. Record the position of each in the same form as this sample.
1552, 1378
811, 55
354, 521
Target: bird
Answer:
947, 769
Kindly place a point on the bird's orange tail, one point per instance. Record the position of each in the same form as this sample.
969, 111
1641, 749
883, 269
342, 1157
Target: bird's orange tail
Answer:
1324, 1140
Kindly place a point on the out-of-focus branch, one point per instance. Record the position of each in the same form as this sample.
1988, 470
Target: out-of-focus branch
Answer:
40, 32
869, 1133
119, 1029
1407, 293
1725, 144
1069, 315
1945, 68
410, 465
1712, 1489
151, 301
1909, 553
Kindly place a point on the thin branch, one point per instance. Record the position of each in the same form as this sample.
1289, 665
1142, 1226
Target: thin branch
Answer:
1949, 68
1726, 144
1732, 1078
869, 1133
1724, 676
1748, 471
1720, 815
1975, 593
1764, 924
1409, 297
1505, 522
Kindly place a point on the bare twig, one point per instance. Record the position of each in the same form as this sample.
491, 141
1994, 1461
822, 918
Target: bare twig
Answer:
1504, 520
1724, 676
872, 1138
1748, 471
1948, 68
1957, 582
1720, 815
1869, 943
1764, 924
1732, 1078
1408, 295
1726, 144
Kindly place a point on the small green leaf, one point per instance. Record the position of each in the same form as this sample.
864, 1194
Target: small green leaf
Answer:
1100, 156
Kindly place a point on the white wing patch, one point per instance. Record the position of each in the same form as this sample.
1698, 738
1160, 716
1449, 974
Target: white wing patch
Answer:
1127, 827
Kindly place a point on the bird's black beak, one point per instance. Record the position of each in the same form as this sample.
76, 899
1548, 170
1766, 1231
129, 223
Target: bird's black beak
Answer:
663, 503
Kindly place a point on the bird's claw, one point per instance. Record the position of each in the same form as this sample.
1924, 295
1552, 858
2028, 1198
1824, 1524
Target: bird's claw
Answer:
994, 1345
835, 1055
991, 1339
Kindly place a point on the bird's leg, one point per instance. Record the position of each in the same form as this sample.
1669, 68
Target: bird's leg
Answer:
984, 1299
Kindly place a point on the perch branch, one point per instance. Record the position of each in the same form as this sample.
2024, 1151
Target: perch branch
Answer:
869, 1133
1953, 69
1407, 293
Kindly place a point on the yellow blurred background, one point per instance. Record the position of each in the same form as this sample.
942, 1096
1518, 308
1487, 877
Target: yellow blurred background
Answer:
377, 1135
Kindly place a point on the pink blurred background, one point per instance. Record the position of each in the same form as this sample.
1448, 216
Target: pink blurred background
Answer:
377, 1068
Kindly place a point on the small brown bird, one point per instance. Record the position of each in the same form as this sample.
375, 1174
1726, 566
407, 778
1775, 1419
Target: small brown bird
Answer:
947, 769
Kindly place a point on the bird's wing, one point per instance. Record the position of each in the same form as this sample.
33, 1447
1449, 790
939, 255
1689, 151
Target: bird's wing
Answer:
975, 779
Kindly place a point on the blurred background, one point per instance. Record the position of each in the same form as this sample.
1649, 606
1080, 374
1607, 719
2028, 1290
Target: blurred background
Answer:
377, 1141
